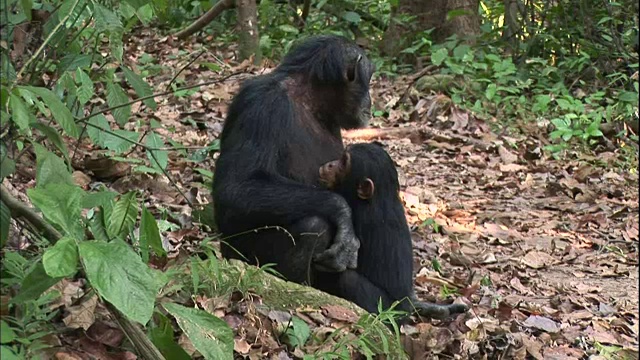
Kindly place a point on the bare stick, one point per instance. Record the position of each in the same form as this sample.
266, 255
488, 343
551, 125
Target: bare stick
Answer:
383, 133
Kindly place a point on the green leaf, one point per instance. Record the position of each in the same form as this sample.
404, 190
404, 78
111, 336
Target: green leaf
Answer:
298, 332
34, 284
85, 89
60, 204
119, 276
19, 113
288, 29
59, 111
352, 17
96, 130
7, 165
123, 217
55, 138
121, 143
6, 333
97, 226
6, 353
50, 169
140, 86
106, 20
61, 260
491, 91
560, 123
115, 44
154, 141
629, 96
439, 56
116, 96
149, 233
99, 198
211, 336
5, 223
163, 338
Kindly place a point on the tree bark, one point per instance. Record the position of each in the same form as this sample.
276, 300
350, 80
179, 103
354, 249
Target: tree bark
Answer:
431, 15
248, 36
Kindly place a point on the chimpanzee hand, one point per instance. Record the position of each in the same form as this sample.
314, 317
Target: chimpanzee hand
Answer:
343, 252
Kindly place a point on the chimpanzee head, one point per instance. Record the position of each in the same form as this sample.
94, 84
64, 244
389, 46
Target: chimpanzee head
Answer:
363, 172
338, 73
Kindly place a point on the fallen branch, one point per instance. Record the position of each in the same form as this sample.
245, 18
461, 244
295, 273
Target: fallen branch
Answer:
19, 209
133, 332
381, 133
205, 19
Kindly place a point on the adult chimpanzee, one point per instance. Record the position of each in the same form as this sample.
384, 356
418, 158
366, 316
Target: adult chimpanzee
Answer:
280, 128
367, 178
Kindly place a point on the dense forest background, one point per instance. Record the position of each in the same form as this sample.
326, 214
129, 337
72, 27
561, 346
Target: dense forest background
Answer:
514, 125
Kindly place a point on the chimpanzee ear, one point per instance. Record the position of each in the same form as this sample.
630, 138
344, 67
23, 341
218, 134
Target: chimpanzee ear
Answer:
365, 189
352, 68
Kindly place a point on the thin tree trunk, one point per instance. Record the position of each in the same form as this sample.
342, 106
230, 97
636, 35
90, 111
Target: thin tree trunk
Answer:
249, 38
205, 19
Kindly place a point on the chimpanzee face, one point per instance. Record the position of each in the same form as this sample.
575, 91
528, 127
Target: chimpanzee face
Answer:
358, 98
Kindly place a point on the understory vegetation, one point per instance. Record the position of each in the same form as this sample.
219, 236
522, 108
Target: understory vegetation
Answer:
108, 135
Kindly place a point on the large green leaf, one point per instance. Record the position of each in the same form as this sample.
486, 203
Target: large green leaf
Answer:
60, 204
6, 353
98, 198
149, 233
7, 334
85, 88
163, 338
5, 223
50, 169
121, 143
106, 20
59, 111
123, 217
54, 136
160, 158
97, 132
116, 96
118, 274
61, 260
19, 112
140, 86
210, 335
34, 284
115, 44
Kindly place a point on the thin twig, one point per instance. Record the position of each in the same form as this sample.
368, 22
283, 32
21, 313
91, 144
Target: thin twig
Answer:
184, 67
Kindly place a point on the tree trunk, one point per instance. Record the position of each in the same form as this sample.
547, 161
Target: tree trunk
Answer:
464, 22
249, 38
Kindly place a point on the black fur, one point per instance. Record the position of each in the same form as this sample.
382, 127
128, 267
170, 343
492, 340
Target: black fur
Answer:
385, 258
280, 128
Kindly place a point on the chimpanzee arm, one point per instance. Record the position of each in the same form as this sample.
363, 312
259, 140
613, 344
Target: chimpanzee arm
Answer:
276, 200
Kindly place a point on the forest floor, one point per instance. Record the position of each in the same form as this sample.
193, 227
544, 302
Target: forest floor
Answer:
545, 250
554, 243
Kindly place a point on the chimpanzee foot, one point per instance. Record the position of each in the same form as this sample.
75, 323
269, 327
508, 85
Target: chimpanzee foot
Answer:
439, 312
341, 255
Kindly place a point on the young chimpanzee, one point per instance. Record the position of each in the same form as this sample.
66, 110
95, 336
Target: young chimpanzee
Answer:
279, 129
366, 177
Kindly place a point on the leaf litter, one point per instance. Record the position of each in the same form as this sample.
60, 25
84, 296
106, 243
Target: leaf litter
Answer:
545, 250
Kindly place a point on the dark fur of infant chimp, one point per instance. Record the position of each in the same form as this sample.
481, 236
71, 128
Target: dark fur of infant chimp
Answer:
280, 128
366, 177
